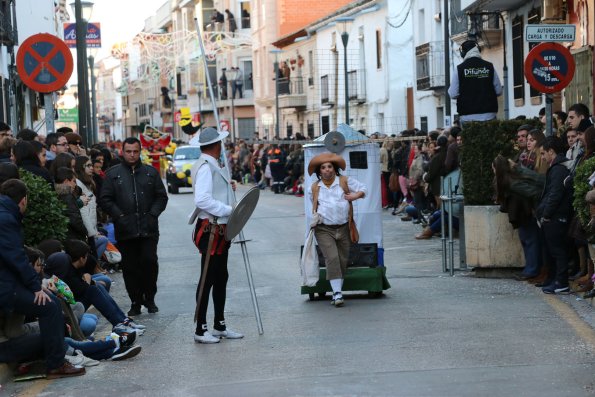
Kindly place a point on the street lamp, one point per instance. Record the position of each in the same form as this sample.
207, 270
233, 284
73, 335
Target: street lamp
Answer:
233, 75
94, 133
136, 114
276, 52
82, 11
344, 27
151, 104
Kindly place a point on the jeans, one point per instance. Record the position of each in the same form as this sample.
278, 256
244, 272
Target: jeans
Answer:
97, 350
103, 278
100, 244
436, 225
529, 236
554, 236
97, 296
88, 324
412, 211
51, 326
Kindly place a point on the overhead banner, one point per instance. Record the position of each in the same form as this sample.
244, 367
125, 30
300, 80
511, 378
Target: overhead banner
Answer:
93, 34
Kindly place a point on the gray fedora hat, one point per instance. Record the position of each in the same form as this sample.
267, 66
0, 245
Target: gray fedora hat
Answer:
207, 136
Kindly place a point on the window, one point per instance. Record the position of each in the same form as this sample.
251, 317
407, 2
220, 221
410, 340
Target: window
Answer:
358, 160
310, 130
246, 67
518, 56
378, 49
423, 123
289, 130
245, 14
324, 94
534, 17
310, 68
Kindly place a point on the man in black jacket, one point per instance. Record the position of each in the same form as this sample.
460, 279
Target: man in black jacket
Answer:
475, 85
134, 196
554, 212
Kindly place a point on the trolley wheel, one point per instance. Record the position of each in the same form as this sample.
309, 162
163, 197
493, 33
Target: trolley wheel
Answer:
311, 296
375, 294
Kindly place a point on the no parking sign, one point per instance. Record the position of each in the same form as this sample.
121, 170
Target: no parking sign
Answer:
44, 63
549, 67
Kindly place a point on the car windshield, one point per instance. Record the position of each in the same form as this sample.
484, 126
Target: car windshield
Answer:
187, 153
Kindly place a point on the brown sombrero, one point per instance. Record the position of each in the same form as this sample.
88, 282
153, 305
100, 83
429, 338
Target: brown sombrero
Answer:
317, 161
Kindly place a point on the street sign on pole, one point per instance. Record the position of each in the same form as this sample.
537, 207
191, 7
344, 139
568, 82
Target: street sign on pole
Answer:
549, 33
549, 67
44, 63
93, 38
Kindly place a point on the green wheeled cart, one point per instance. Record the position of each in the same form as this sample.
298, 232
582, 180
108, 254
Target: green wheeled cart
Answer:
371, 279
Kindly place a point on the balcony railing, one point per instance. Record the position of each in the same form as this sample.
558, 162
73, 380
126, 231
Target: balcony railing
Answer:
430, 66
291, 93
7, 33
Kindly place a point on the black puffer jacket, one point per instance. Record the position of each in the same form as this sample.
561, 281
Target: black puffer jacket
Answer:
556, 199
134, 197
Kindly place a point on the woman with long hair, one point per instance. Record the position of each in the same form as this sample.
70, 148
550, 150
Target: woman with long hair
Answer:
27, 158
61, 160
535, 139
83, 168
518, 190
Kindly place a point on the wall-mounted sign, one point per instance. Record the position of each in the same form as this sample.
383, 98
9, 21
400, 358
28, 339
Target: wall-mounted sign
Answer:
541, 33
93, 34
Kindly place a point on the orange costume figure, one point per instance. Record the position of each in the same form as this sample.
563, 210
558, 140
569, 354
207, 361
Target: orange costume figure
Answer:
155, 142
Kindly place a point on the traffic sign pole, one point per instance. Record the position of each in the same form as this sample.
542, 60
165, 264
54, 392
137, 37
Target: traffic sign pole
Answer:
549, 101
49, 113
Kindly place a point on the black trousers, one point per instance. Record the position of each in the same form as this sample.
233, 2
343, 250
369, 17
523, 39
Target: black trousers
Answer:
216, 279
140, 268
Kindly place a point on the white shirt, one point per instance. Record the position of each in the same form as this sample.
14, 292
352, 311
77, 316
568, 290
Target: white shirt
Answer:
203, 193
332, 206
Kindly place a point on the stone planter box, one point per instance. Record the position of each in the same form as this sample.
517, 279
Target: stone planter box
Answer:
490, 240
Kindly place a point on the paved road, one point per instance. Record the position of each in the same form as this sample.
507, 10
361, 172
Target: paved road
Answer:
430, 335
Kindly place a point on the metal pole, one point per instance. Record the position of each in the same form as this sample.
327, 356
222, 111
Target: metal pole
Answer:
549, 127
277, 136
442, 228
95, 133
242, 240
345, 39
200, 105
49, 113
445, 21
233, 114
81, 69
450, 240
504, 70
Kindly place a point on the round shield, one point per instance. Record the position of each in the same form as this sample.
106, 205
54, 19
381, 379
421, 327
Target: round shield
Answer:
334, 142
241, 213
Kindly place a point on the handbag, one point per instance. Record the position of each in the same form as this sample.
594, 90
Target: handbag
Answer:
393, 183
309, 263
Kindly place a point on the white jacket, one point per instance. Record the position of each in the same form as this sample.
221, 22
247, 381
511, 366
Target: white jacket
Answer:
89, 211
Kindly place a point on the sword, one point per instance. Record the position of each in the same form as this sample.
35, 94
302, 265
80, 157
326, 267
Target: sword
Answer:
242, 241
205, 269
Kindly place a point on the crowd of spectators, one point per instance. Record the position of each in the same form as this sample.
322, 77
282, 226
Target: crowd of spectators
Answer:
56, 282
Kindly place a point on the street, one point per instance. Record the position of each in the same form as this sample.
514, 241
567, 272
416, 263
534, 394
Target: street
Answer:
429, 335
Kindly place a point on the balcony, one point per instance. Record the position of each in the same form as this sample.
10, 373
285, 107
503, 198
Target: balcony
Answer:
292, 94
430, 66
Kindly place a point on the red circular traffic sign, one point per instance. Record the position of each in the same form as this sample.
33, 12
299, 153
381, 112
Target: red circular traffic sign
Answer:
549, 67
44, 63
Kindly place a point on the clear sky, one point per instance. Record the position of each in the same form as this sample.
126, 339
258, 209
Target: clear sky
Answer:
121, 19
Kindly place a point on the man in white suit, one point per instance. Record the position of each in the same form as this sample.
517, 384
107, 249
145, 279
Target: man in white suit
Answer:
213, 200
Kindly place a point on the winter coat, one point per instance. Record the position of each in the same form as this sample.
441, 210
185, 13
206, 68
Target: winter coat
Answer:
15, 268
556, 199
435, 171
76, 225
37, 170
134, 198
59, 264
89, 211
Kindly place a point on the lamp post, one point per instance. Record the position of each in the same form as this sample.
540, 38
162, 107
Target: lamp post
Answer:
94, 135
82, 12
136, 119
151, 104
276, 64
344, 27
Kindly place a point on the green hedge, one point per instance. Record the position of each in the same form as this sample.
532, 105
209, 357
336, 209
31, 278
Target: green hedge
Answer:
44, 217
581, 187
482, 142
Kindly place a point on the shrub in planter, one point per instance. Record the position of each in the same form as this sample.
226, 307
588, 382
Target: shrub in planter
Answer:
482, 142
581, 187
44, 217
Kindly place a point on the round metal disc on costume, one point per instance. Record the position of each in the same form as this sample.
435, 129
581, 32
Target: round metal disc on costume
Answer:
334, 142
241, 213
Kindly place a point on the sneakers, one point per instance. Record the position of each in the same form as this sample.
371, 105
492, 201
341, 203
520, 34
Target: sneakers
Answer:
206, 338
337, 300
125, 352
87, 362
556, 288
122, 329
135, 309
130, 323
227, 334
123, 340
